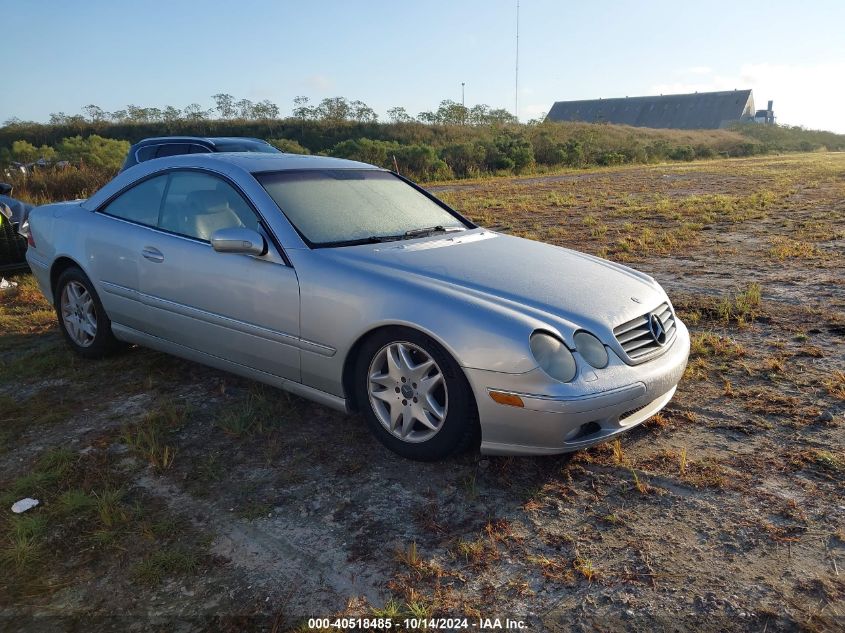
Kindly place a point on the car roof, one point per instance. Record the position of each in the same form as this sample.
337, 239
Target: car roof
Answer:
256, 163
228, 163
211, 140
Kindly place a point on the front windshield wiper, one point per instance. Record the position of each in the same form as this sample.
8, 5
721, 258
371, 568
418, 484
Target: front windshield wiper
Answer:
374, 239
407, 235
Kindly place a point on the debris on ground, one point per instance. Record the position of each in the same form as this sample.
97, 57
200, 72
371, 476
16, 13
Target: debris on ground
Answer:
6, 285
24, 504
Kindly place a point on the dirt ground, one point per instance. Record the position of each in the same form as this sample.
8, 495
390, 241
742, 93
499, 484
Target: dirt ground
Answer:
176, 497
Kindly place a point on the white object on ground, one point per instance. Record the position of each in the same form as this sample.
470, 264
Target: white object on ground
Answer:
5, 284
23, 505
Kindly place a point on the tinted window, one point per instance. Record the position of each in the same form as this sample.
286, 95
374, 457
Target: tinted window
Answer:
343, 205
199, 149
173, 149
146, 153
245, 146
198, 204
140, 203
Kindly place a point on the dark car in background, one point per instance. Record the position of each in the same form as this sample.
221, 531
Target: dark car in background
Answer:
12, 244
13, 213
162, 146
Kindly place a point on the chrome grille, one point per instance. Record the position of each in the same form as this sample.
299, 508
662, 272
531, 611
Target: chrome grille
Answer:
635, 335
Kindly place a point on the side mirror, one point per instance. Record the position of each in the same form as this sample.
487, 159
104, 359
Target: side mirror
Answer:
5, 189
238, 240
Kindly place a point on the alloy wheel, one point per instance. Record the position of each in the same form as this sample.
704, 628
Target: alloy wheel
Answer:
407, 392
79, 314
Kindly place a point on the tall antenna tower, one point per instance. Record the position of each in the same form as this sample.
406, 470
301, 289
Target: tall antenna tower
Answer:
516, 78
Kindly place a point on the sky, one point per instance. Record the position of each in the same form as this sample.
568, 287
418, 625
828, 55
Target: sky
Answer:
61, 56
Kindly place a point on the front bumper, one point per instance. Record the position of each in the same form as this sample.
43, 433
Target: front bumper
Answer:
594, 407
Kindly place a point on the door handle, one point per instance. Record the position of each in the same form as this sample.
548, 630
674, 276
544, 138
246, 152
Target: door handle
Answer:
153, 254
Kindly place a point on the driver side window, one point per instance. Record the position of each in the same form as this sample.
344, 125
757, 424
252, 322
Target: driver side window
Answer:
197, 204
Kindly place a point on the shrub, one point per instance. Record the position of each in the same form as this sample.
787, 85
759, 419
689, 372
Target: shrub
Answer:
657, 150
94, 150
24, 152
514, 149
575, 156
682, 152
635, 152
415, 161
464, 159
367, 151
547, 151
704, 151
421, 162
51, 184
610, 158
289, 146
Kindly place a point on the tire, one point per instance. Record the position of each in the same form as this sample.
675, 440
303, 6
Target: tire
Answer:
446, 403
77, 327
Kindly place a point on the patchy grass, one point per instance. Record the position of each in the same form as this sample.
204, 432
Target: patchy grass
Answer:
149, 438
740, 474
783, 248
164, 563
736, 308
586, 568
835, 384
87, 516
263, 410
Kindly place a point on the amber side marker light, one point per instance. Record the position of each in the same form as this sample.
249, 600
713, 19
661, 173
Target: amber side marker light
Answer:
507, 398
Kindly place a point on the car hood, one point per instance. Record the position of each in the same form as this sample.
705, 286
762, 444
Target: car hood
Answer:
533, 277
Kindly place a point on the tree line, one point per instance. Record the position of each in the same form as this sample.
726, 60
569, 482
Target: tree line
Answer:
450, 141
229, 108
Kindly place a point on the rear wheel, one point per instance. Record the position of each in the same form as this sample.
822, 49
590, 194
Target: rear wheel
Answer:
82, 319
414, 395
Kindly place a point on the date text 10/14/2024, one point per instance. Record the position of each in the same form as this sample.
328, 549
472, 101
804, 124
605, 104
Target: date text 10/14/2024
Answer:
451, 624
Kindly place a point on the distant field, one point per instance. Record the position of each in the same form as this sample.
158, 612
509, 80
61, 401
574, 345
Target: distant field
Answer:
179, 491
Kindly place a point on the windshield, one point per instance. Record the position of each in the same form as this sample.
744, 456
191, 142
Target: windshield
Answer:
335, 207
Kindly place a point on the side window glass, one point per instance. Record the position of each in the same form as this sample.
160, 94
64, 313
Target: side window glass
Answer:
199, 204
199, 149
140, 203
173, 149
146, 153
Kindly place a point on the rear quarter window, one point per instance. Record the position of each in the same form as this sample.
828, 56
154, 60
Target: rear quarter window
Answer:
139, 204
146, 153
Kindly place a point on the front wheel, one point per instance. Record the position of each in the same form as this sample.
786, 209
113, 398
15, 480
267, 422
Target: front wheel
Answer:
82, 319
414, 395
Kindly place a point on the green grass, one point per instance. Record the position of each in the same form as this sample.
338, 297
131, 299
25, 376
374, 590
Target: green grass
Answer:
164, 563
76, 502
88, 508
737, 308
741, 307
263, 410
150, 438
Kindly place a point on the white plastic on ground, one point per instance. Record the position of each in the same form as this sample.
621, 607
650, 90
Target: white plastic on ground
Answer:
5, 284
23, 505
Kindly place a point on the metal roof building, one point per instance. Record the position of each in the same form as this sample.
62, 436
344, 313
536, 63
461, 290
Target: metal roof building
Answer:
700, 110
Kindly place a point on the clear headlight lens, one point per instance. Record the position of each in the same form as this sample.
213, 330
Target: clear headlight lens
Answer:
591, 349
553, 356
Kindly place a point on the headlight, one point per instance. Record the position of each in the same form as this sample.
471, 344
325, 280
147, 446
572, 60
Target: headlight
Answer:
591, 349
553, 357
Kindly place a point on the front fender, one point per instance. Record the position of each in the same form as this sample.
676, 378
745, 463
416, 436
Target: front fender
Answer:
339, 305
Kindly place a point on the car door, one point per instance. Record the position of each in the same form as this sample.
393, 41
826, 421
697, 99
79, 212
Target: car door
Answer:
241, 308
114, 249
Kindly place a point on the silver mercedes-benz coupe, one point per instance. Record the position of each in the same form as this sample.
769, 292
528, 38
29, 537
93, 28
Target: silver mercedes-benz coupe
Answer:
347, 284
